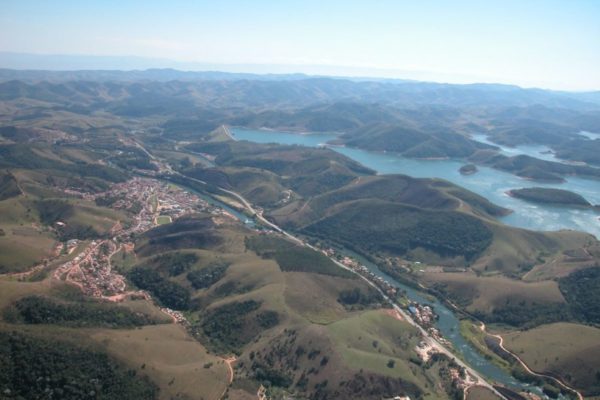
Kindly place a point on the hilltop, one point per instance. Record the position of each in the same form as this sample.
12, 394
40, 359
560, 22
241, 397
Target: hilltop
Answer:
550, 196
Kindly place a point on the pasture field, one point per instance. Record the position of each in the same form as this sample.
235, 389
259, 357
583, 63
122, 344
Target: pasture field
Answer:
570, 351
23, 247
12, 290
23, 242
514, 251
375, 342
315, 297
481, 393
370, 339
123, 260
99, 218
483, 294
178, 364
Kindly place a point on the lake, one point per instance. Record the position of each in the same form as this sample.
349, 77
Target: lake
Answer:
487, 182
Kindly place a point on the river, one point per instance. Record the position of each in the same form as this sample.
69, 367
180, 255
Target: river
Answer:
487, 182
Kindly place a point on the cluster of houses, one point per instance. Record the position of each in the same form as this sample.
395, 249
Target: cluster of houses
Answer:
91, 269
177, 316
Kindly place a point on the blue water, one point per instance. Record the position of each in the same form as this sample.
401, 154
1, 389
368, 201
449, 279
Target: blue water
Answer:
487, 182
267, 136
449, 326
534, 150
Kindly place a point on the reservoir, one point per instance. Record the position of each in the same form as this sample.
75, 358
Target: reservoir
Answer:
487, 182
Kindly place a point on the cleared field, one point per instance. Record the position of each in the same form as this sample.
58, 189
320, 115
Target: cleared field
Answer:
481, 393
486, 293
21, 248
99, 218
23, 242
12, 290
570, 351
514, 251
369, 340
123, 260
163, 219
174, 361
314, 297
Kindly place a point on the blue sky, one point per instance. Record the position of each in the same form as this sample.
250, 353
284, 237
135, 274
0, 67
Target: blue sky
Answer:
550, 44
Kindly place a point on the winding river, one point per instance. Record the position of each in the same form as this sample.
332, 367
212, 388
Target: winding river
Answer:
489, 183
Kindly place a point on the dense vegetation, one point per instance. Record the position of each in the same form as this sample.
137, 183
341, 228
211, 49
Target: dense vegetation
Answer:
292, 257
36, 368
527, 316
581, 289
170, 294
550, 196
43, 310
207, 276
57, 210
231, 326
54, 210
358, 299
383, 227
9, 186
175, 263
184, 233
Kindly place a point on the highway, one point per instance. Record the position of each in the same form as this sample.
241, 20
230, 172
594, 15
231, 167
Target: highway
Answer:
431, 341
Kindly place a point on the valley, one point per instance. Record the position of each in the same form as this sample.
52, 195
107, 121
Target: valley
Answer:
211, 261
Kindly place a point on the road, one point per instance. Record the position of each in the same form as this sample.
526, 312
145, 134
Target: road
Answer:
529, 370
227, 132
426, 336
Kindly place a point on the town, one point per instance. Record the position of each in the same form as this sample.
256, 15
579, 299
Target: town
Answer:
158, 202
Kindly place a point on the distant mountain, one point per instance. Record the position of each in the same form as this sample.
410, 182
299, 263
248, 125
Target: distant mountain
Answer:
416, 119
154, 74
248, 90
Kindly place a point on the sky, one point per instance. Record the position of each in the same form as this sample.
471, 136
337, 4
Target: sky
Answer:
531, 43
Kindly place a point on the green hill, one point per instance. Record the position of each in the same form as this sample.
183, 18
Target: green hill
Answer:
550, 196
285, 310
9, 186
378, 227
533, 168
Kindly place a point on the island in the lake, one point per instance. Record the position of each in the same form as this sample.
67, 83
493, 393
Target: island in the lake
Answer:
551, 196
468, 169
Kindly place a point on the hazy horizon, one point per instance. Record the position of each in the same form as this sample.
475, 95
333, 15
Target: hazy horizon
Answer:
545, 44
74, 63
